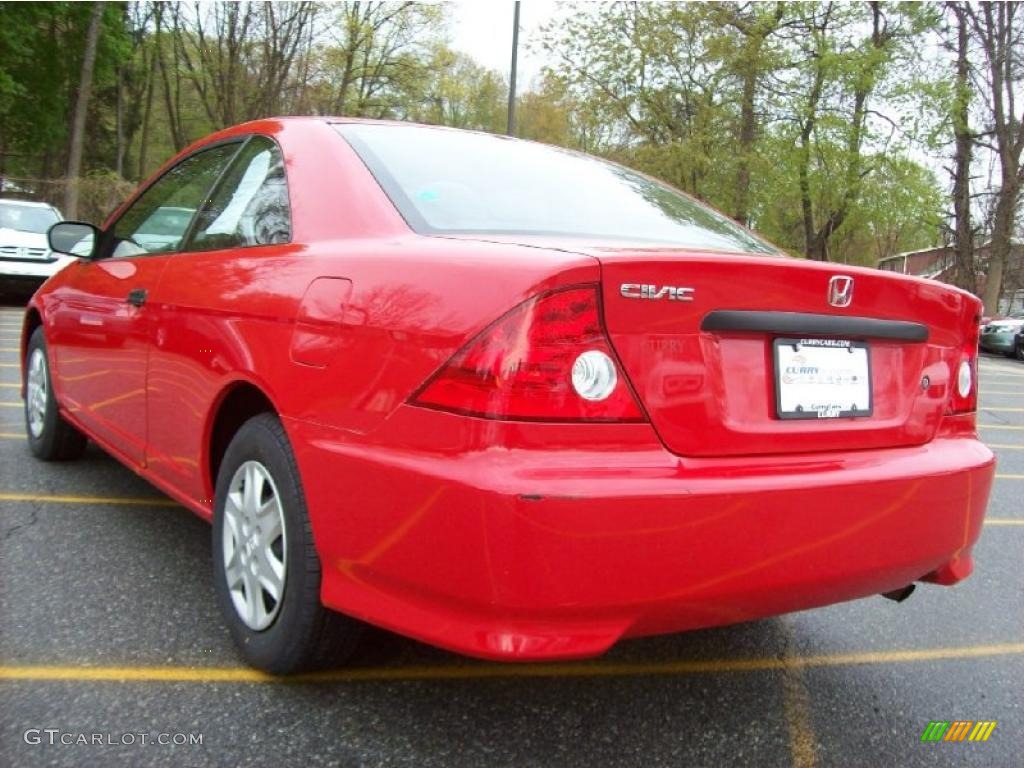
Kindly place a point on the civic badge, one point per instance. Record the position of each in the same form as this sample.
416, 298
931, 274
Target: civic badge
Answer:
840, 291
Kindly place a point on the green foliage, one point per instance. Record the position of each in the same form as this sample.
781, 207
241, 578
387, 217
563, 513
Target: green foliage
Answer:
803, 119
379, 54
457, 91
715, 99
41, 47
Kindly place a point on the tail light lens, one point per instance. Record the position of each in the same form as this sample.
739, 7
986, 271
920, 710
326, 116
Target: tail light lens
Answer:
548, 359
964, 392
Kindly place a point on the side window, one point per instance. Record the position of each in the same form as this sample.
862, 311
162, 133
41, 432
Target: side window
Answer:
250, 206
159, 219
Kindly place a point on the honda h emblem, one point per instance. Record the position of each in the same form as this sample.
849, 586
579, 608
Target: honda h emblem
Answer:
840, 291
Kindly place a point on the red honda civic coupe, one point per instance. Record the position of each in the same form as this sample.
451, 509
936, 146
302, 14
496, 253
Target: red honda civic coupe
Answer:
507, 399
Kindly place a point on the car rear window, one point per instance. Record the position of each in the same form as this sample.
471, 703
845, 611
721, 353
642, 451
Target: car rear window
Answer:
457, 182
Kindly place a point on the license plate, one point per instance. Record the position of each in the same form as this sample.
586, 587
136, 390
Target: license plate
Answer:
822, 378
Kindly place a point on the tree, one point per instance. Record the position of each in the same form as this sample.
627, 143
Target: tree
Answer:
42, 50
999, 30
964, 274
767, 111
457, 91
238, 57
844, 78
375, 52
78, 117
547, 114
643, 75
755, 23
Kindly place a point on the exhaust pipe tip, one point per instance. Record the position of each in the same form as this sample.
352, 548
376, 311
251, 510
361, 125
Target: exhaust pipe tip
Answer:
901, 594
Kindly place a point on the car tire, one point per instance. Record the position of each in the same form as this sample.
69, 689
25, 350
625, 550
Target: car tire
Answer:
50, 437
1018, 350
262, 544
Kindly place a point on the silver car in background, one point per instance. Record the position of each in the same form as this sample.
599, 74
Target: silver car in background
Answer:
998, 335
25, 255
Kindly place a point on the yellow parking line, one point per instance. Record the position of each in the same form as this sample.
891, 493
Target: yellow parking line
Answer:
155, 501
796, 704
1004, 476
10, 385
10, 404
10, 349
474, 671
999, 426
10, 365
1005, 445
1003, 521
1001, 409
10, 436
999, 392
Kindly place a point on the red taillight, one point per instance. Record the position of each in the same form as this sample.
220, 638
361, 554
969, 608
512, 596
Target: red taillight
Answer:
964, 390
521, 367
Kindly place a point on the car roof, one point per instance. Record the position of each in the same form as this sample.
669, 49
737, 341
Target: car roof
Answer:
348, 120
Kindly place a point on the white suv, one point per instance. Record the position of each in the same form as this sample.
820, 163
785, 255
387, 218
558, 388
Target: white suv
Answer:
24, 251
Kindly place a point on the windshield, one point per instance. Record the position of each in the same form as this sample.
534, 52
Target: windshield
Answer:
450, 182
27, 218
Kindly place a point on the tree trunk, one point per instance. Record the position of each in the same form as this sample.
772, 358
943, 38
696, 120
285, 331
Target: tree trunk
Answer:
147, 111
963, 238
998, 32
81, 107
999, 248
748, 133
170, 101
813, 249
119, 125
817, 244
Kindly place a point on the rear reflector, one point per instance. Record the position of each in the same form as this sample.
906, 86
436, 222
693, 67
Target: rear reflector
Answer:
548, 359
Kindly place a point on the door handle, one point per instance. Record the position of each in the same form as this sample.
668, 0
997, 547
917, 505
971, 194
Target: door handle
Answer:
137, 296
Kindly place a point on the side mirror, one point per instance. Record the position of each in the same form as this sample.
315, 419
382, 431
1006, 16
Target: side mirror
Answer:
74, 238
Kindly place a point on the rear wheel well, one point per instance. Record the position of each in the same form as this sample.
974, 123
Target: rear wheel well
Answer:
32, 321
239, 405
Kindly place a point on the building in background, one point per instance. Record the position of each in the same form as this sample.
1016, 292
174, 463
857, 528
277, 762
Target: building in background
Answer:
938, 264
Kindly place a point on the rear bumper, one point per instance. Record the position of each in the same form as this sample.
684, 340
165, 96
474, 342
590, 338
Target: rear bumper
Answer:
542, 554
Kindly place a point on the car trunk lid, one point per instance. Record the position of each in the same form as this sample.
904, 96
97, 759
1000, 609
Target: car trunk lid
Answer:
746, 354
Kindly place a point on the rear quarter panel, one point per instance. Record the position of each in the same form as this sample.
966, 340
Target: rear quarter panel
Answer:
409, 302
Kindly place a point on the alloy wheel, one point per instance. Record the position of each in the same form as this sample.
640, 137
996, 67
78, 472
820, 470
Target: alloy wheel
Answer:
36, 391
254, 545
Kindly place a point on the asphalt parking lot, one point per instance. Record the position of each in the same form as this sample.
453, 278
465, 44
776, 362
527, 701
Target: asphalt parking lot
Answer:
108, 626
